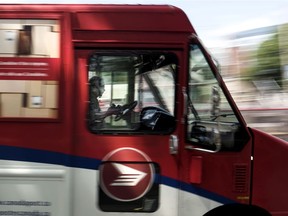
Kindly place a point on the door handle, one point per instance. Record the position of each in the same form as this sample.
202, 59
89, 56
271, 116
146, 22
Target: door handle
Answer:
173, 144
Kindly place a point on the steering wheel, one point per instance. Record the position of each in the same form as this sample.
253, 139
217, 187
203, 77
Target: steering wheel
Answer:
125, 109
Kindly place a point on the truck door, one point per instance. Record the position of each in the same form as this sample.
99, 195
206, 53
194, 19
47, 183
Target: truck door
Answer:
125, 120
217, 154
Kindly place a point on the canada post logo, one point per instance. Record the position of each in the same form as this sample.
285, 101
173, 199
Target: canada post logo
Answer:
126, 174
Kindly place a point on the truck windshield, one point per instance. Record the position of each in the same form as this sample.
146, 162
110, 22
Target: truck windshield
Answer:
202, 83
131, 91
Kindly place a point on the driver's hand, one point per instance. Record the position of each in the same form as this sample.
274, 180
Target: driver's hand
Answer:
113, 109
112, 105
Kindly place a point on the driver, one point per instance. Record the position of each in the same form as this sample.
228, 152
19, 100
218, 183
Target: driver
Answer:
96, 91
96, 116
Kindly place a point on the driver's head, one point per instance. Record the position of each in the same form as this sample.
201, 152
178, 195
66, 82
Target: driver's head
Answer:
97, 85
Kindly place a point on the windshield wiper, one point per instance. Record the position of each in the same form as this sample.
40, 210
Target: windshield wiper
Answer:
213, 118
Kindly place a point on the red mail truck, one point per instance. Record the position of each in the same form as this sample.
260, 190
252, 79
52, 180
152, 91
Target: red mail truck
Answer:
120, 109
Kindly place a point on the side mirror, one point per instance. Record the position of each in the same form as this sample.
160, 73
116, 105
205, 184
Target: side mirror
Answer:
206, 135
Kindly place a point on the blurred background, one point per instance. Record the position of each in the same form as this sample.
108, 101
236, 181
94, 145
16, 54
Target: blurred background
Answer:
255, 69
250, 40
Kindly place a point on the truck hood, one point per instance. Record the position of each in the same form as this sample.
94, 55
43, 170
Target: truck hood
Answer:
270, 173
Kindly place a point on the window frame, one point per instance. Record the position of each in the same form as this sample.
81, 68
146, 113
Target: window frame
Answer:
123, 52
239, 142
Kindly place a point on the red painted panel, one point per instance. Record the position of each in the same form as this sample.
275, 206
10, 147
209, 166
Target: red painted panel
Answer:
270, 175
196, 169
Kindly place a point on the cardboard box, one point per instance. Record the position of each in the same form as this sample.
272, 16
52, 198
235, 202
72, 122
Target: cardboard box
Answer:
51, 82
40, 34
34, 87
39, 113
34, 90
51, 96
11, 105
8, 41
13, 86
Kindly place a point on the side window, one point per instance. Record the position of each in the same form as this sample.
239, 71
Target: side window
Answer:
29, 68
132, 91
211, 121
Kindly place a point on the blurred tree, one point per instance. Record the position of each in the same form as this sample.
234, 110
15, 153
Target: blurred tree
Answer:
268, 59
283, 44
267, 64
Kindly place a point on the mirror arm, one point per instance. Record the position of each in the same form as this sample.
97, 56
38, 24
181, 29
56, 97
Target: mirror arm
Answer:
185, 99
217, 138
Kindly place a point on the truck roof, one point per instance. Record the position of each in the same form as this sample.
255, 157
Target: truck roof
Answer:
165, 18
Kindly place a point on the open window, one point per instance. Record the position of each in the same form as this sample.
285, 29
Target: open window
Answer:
131, 91
212, 124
